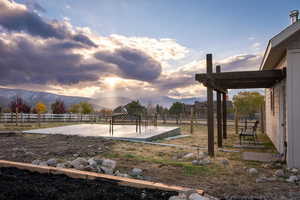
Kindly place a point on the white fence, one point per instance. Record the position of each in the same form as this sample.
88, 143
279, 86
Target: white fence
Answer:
23, 117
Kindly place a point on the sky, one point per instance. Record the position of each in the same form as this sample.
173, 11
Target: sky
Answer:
131, 48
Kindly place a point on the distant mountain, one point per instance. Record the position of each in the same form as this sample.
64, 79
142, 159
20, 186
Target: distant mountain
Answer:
31, 97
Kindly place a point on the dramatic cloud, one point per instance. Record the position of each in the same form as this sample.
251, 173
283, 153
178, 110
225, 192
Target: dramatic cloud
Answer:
132, 63
55, 56
15, 17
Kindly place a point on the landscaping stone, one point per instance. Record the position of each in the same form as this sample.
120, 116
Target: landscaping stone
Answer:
252, 171
61, 165
99, 161
110, 164
79, 163
189, 155
196, 196
136, 172
36, 162
92, 162
118, 173
52, 162
106, 170
279, 173
181, 196
294, 170
292, 179
43, 163
75, 155
224, 162
68, 164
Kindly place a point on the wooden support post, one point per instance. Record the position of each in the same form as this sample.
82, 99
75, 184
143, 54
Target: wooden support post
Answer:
236, 121
192, 120
262, 118
210, 111
219, 113
224, 116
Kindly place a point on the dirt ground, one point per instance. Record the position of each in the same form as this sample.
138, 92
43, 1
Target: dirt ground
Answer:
161, 163
25, 185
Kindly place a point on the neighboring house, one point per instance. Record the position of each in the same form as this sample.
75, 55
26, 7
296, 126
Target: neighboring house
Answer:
283, 100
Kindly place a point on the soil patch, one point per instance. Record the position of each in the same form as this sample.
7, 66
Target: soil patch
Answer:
23, 184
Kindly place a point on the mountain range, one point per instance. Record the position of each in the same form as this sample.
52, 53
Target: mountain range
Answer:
32, 97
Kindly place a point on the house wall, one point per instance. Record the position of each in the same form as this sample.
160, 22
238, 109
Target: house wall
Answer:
293, 107
273, 120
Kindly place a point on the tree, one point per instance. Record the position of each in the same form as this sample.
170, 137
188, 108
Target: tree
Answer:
75, 108
248, 103
58, 107
135, 107
86, 108
18, 105
176, 109
40, 108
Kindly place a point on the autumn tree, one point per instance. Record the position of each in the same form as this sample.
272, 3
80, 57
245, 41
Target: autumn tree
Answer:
58, 107
40, 108
19, 105
248, 103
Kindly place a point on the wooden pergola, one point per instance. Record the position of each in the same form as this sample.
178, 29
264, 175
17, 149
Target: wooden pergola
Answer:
221, 82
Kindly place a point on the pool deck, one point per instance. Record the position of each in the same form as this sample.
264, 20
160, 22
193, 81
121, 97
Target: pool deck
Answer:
120, 131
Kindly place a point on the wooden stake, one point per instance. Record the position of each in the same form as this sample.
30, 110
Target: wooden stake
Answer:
219, 113
224, 116
210, 111
192, 120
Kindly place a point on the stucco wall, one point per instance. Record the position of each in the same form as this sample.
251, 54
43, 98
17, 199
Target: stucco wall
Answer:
293, 108
273, 122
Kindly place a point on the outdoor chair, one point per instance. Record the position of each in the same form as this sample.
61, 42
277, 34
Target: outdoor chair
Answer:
249, 134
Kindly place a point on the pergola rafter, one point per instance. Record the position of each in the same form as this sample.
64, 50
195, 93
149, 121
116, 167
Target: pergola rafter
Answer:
221, 82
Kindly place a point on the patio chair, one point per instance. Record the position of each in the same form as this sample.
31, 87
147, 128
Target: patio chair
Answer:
249, 134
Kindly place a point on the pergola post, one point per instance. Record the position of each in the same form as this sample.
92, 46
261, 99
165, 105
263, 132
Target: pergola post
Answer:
210, 111
219, 113
224, 116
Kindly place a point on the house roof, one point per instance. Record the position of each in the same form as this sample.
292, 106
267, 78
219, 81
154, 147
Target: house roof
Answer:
277, 46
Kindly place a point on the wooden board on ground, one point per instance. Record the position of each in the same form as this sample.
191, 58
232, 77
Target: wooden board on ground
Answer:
262, 157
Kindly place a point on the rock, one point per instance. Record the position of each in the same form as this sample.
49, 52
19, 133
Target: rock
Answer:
117, 173
181, 196
92, 163
110, 164
52, 162
136, 172
106, 170
89, 168
79, 163
36, 162
43, 163
294, 170
99, 161
201, 162
261, 180
61, 165
92, 153
224, 162
91, 145
292, 179
252, 171
279, 173
188, 155
68, 164
75, 155
196, 196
